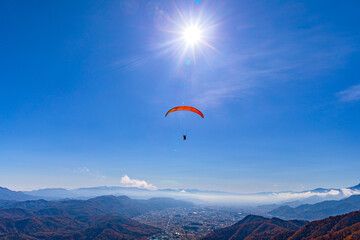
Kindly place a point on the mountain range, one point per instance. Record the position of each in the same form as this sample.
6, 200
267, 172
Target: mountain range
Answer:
319, 210
255, 228
103, 205
109, 217
84, 227
105, 217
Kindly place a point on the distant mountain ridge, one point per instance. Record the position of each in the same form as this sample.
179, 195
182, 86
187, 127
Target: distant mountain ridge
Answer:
252, 227
7, 194
319, 210
194, 195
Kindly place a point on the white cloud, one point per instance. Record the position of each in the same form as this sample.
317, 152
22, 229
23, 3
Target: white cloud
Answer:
83, 169
216, 96
128, 182
351, 94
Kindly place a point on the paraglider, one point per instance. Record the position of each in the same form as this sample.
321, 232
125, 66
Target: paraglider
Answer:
185, 108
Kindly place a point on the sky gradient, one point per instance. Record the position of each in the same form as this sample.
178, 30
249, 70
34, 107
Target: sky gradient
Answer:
85, 86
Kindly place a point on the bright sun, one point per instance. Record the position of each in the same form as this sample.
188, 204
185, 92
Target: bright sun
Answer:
192, 35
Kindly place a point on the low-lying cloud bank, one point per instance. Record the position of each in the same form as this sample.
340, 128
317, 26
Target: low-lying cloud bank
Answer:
271, 197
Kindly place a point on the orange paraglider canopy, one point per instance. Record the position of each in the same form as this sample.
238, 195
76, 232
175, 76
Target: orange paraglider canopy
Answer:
185, 108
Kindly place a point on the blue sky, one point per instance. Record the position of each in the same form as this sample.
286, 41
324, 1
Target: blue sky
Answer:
85, 86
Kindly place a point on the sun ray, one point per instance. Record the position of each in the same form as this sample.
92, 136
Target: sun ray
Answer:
180, 14
209, 45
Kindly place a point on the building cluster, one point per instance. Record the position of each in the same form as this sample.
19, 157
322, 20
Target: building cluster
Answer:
188, 223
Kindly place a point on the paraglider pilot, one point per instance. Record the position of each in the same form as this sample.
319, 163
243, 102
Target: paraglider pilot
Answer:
185, 108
